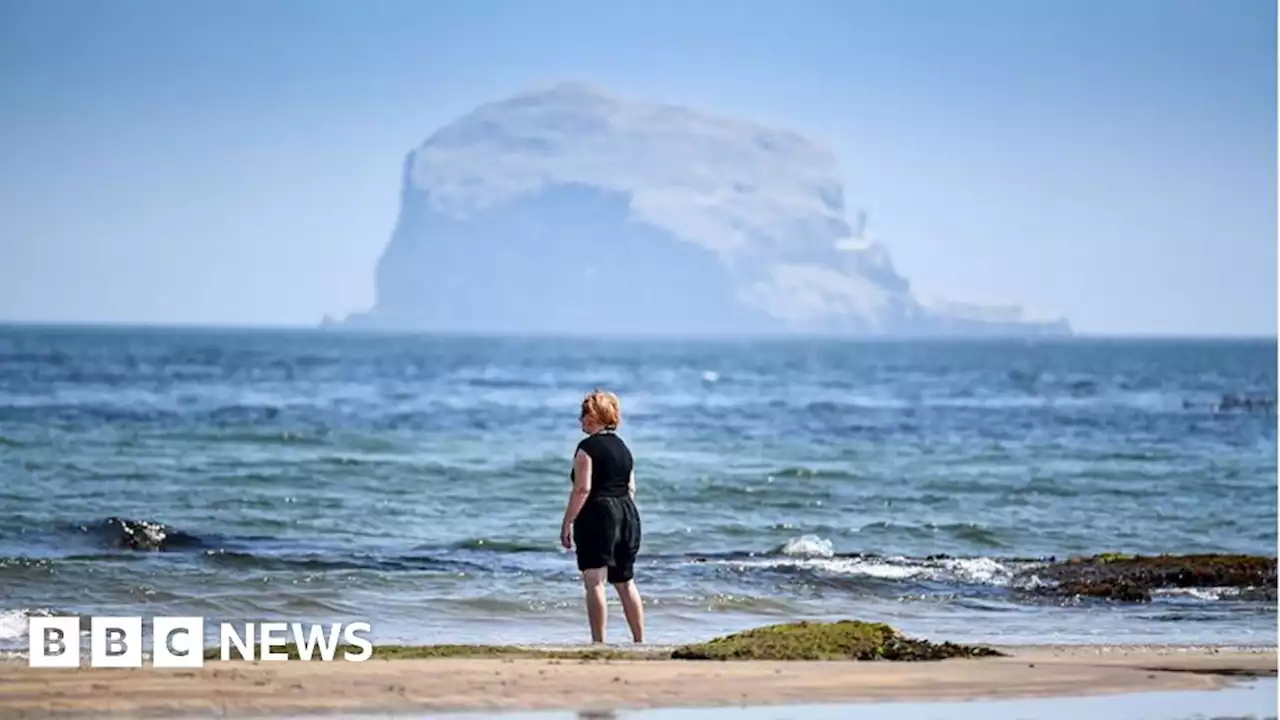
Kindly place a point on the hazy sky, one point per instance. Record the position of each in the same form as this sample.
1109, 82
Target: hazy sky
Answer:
1113, 161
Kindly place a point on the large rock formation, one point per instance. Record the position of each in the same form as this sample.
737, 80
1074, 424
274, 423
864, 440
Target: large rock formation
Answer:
568, 210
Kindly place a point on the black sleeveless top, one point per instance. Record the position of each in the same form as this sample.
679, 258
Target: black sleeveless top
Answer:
611, 464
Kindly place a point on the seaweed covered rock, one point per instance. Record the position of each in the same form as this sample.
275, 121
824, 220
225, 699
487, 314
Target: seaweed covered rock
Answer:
843, 640
1131, 578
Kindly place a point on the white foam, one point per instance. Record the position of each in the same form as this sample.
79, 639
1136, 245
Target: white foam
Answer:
876, 569
813, 552
13, 624
808, 546
979, 570
842, 566
1197, 593
1031, 582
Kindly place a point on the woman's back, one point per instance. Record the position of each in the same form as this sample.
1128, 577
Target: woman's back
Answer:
611, 464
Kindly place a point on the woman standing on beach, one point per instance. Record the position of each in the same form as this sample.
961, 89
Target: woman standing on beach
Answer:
601, 519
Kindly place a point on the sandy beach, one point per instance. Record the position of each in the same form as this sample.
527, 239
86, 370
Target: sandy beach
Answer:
434, 685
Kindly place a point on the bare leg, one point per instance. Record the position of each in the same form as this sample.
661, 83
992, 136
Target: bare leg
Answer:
593, 582
632, 606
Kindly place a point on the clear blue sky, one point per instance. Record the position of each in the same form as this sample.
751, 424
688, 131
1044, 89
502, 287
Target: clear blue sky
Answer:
1113, 161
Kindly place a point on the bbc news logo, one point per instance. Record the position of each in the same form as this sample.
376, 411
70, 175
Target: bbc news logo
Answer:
178, 642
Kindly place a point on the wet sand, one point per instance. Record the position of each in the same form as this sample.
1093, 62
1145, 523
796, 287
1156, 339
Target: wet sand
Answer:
435, 685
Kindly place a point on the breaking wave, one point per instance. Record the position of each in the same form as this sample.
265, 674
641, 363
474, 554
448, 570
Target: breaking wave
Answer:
814, 553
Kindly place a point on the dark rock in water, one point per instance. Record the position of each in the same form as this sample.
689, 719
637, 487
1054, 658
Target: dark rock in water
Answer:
144, 535
843, 640
138, 534
1230, 402
1130, 578
1246, 403
1122, 590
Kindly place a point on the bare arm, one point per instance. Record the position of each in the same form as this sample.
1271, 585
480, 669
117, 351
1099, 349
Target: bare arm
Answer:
631, 485
581, 488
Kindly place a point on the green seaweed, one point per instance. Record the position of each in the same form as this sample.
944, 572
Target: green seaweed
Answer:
843, 640
1111, 557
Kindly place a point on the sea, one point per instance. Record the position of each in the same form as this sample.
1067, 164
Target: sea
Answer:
417, 482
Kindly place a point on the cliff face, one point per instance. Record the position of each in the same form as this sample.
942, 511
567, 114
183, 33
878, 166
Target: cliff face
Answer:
567, 210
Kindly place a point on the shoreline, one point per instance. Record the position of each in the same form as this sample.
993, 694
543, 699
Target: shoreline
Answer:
505, 683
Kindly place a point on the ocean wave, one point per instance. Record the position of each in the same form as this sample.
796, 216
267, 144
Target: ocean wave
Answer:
502, 607
794, 471
814, 553
337, 563
1042, 486
12, 565
1247, 594
1206, 615
498, 546
1192, 592
14, 624
807, 546
716, 602
968, 532
19, 411
548, 465
87, 540
291, 437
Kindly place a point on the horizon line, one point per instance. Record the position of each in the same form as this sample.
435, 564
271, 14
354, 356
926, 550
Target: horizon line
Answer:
318, 329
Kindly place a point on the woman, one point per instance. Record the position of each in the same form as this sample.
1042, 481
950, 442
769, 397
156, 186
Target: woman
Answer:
601, 518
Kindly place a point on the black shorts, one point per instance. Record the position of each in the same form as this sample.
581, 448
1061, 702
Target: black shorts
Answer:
607, 534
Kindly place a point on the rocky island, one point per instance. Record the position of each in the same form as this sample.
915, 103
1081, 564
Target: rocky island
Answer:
568, 210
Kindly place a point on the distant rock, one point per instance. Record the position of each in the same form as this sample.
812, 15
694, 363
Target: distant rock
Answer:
1231, 402
569, 210
1246, 403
